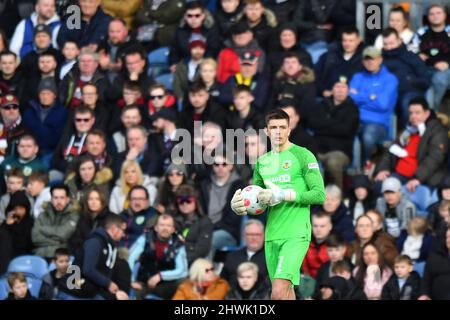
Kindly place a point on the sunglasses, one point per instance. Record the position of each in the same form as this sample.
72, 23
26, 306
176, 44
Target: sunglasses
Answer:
198, 15
157, 97
82, 119
185, 199
11, 107
209, 270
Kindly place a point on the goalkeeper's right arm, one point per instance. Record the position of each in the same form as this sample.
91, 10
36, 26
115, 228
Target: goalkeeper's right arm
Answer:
237, 203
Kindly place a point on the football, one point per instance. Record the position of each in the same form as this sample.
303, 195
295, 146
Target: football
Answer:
250, 197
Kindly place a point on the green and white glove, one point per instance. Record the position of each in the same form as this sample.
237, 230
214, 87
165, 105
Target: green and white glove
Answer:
274, 195
237, 204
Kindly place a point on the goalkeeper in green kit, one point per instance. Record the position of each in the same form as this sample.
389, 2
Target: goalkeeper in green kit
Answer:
292, 182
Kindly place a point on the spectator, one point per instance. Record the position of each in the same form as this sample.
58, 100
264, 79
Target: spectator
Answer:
87, 72
138, 216
44, 13
96, 148
407, 67
227, 15
217, 191
72, 143
90, 98
344, 269
371, 273
203, 283
397, 210
197, 20
18, 287
51, 280
255, 146
207, 72
45, 119
243, 115
96, 261
56, 224
93, 26
335, 125
404, 284
365, 233
436, 211
248, 286
334, 288
11, 79
130, 116
93, 214
130, 176
252, 78
194, 226
14, 182
70, 52
344, 59
361, 196
252, 252
317, 254
418, 156
375, 102
436, 279
160, 98
432, 43
37, 189
131, 95
399, 21
242, 40
296, 82
175, 176
85, 175
162, 257
415, 242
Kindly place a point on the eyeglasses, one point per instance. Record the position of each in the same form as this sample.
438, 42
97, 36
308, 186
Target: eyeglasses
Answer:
11, 107
175, 173
160, 97
185, 199
82, 119
209, 270
198, 15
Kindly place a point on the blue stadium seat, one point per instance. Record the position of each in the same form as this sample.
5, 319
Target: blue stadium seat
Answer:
158, 61
419, 267
166, 79
31, 266
422, 197
4, 288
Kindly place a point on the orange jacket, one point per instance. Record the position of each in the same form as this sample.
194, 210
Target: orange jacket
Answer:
216, 291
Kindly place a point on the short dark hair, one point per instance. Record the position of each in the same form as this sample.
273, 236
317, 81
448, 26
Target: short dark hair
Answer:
135, 49
60, 186
334, 240
39, 176
73, 42
131, 107
158, 86
194, 5
197, 86
420, 100
350, 30
8, 53
138, 187
49, 53
403, 258
291, 54
132, 85
277, 114
82, 109
400, 9
321, 214
340, 266
61, 252
15, 172
114, 220
390, 31
241, 88
98, 133
27, 136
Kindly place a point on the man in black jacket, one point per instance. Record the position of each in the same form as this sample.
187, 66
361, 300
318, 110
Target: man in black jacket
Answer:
94, 266
335, 125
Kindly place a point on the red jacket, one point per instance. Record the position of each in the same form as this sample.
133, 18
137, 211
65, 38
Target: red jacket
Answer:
228, 64
316, 256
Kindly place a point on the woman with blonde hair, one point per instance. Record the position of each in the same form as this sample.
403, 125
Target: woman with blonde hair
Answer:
130, 175
208, 74
203, 283
416, 241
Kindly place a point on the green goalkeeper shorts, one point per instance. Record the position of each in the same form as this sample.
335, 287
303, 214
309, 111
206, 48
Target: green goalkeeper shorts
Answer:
284, 258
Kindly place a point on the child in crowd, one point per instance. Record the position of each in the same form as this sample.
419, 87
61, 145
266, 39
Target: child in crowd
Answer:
37, 189
70, 51
404, 284
18, 287
395, 207
159, 98
14, 182
343, 269
248, 286
51, 280
416, 241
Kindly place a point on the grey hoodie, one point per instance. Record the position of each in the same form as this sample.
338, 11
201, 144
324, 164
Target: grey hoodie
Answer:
218, 197
405, 210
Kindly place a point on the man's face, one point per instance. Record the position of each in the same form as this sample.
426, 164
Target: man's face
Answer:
84, 122
199, 99
60, 199
278, 131
229, 6
417, 114
331, 203
138, 200
194, 18
70, 51
117, 32
34, 187
42, 40
249, 70
88, 64
47, 97
437, 16
243, 100
134, 63
117, 232
254, 237
89, 7
222, 167
131, 118
27, 148
254, 12
392, 198
391, 42
158, 97
364, 228
402, 269
89, 95
247, 280
254, 148
336, 253
197, 53
294, 118
136, 139
62, 263
14, 184
291, 66
288, 39
350, 42
372, 64
321, 227
46, 8
47, 64
10, 113
8, 64
165, 228
95, 145
340, 92
243, 39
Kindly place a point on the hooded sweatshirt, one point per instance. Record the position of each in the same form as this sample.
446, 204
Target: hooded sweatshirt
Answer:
218, 197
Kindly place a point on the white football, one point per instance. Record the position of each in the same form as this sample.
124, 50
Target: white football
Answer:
250, 197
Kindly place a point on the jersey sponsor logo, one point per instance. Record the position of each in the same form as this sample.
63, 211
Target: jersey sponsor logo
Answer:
286, 164
313, 165
281, 178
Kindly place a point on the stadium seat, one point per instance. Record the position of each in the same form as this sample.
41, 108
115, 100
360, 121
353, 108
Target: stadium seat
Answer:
158, 61
30, 266
419, 267
166, 79
4, 288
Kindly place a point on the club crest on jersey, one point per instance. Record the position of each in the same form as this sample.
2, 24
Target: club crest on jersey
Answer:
286, 164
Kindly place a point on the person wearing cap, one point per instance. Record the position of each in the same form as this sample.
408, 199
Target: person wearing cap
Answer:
374, 91
23, 38
240, 42
396, 208
335, 125
187, 69
46, 118
196, 20
248, 75
344, 59
11, 78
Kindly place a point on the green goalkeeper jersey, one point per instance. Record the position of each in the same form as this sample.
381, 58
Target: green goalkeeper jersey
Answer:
294, 168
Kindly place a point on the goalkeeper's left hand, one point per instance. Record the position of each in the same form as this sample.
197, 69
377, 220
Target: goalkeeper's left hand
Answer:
274, 195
